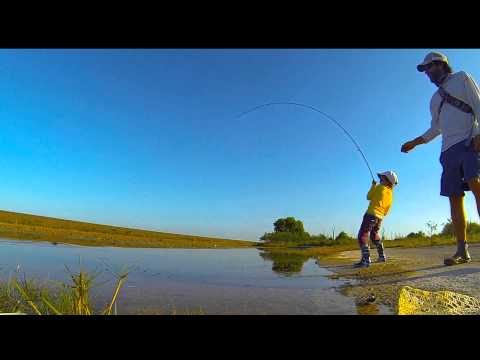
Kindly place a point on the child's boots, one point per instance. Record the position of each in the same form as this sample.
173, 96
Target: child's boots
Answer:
365, 260
381, 251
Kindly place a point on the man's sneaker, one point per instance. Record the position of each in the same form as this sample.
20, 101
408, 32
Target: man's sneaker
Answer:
381, 259
364, 263
458, 259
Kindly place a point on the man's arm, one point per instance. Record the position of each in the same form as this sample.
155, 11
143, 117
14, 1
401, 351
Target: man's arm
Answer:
428, 136
410, 145
473, 99
473, 95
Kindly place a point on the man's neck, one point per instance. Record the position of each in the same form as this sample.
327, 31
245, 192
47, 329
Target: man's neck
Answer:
442, 79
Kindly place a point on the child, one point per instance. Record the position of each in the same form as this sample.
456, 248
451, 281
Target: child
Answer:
381, 198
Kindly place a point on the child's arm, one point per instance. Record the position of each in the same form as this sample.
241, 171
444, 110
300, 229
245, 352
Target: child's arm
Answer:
371, 191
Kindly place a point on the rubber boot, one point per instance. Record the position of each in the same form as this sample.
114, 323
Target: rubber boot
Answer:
381, 251
365, 260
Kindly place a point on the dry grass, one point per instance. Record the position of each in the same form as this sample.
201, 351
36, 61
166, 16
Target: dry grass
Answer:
31, 227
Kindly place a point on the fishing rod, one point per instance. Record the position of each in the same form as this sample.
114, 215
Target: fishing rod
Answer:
322, 113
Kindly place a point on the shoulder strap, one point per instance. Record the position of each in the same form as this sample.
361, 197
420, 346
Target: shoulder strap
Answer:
459, 104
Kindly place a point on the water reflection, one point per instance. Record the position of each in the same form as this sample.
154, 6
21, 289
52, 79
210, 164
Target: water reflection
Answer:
285, 263
226, 281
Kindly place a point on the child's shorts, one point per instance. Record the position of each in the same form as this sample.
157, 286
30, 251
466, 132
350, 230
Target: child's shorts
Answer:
369, 229
461, 163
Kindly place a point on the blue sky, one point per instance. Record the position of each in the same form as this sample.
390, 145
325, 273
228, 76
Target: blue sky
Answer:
151, 138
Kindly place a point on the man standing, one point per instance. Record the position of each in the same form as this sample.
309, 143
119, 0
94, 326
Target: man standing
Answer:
455, 109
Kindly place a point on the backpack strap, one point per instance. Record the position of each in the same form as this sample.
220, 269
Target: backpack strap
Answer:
459, 104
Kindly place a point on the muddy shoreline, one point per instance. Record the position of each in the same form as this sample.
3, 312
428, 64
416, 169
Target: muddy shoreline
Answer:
376, 289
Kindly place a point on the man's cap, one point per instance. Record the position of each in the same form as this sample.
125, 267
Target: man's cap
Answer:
391, 176
431, 57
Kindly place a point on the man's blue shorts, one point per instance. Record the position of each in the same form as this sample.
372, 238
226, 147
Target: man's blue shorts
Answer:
461, 163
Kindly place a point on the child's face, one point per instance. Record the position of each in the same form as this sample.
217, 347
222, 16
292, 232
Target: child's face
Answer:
384, 181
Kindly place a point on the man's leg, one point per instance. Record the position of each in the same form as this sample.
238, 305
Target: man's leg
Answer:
459, 222
474, 185
458, 163
471, 171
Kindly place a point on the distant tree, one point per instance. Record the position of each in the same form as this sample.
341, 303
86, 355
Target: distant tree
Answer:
288, 224
342, 236
264, 237
287, 230
321, 237
419, 234
473, 228
448, 229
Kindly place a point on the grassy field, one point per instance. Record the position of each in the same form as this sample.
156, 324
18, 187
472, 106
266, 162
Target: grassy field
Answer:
31, 227
21, 226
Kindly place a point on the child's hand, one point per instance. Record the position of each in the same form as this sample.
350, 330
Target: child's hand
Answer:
374, 182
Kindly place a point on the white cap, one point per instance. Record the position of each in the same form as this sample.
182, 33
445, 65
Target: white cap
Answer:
431, 57
391, 176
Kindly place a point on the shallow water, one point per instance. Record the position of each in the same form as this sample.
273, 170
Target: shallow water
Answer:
165, 281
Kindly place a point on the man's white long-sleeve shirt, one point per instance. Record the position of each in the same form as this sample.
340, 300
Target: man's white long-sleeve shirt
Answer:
454, 124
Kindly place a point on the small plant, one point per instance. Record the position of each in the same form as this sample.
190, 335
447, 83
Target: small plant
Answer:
432, 227
70, 299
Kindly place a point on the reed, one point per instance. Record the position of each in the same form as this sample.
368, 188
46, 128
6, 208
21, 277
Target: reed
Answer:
24, 296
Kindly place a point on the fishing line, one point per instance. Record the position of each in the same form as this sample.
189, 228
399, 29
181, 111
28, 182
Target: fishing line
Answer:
322, 113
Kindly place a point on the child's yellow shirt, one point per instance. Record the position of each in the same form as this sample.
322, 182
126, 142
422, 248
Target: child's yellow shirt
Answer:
381, 199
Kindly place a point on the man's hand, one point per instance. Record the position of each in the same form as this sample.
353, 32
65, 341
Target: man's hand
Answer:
408, 146
476, 143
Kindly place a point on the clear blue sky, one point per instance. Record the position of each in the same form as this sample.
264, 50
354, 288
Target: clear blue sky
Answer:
150, 138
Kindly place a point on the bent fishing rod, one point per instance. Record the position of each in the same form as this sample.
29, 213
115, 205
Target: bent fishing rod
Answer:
320, 112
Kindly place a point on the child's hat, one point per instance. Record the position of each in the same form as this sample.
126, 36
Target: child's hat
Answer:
391, 176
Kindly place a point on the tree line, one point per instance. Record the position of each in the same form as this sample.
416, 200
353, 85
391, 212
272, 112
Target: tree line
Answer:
291, 231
